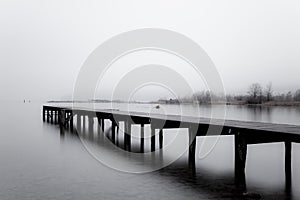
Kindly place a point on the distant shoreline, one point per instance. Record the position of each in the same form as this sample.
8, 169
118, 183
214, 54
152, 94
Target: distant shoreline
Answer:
241, 103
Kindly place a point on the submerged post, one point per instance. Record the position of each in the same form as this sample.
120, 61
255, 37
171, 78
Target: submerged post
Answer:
51, 116
91, 124
102, 124
71, 121
142, 140
127, 136
62, 119
78, 121
192, 148
240, 158
44, 114
288, 165
117, 134
113, 131
152, 139
55, 117
47, 114
160, 138
83, 124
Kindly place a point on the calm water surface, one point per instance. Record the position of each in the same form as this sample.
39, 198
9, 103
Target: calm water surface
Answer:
37, 162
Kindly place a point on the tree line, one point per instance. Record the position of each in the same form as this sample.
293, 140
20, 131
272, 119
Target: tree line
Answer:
256, 94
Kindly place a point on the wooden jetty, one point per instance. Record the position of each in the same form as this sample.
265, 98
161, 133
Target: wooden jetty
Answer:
245, 133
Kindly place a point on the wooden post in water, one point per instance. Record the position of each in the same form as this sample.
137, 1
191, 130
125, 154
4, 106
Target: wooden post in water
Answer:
127, 136
240, 159
102, 124
91, 124
47, 115
192, 149
160, 135
55, 117
99, 126
78, 121
117, 134
71, 121
288, 165
142, 138
113, 131
83, 124
152, 139
44, 114
51, 115
62, 118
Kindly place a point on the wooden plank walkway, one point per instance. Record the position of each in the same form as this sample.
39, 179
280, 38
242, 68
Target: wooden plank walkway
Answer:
245, 132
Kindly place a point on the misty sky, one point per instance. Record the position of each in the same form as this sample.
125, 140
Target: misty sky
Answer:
43, 44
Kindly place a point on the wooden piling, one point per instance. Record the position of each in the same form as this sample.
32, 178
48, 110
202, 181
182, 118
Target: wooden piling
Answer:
117, 134
91, 125
83, 124
78, 121
127, 136
44, 114
192, 148
142, 139
102, 124
55, 117
160, 135
152, 139
71, 122
113, 131
240, 158
288, 165
62, 118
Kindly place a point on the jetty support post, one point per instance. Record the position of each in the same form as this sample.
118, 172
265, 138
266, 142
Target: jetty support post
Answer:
78, 121
91, 124
71, 121
117, 133
240, 158
127, 136
113, 131
44, 114
160, 135
47, 115
55, 117
102, 124
99, 126
152, 139
62, 120
192, 148
83, 123
142, 138
288, 165
51, 116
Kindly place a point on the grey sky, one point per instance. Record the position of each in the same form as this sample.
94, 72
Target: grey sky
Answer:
44, 43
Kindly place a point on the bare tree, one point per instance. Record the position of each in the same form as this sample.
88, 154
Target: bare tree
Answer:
269, 91
297, 95
289, 96
255, 93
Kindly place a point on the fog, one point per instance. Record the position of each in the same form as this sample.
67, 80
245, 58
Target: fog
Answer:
43, 44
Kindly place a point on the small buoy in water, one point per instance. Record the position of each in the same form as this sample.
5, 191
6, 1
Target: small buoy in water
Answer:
157, 107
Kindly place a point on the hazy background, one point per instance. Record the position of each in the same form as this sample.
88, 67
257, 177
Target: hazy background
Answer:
44, 43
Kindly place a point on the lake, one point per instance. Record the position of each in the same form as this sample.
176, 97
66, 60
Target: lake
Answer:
37, 162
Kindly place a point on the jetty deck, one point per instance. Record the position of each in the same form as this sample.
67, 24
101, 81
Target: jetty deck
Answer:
245, 132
